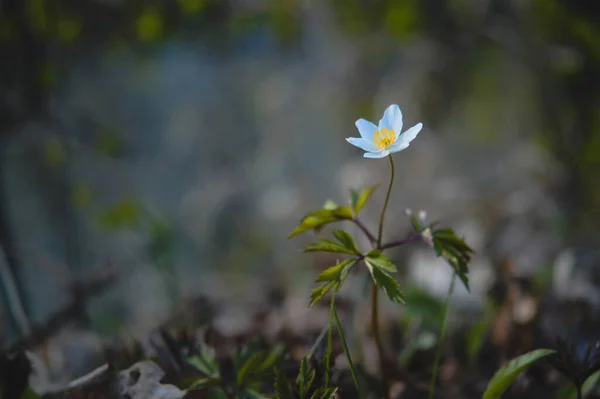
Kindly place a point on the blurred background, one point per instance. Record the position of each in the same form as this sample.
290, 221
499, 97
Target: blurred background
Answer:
154, 154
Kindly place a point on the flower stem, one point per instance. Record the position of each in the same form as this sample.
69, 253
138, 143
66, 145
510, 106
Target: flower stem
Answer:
438, 354
385, 204
375, 291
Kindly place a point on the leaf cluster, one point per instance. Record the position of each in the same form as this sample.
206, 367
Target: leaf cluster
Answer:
304, 385
251, 368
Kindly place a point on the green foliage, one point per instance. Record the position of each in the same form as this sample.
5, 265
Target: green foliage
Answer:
386, 282
358, 199
376, 258
345, 244
205, 361
305, 378
252, 369
332, 277
570, 392
257, 367
318, 219
379, 266
505, 376
455, 250
124, 214
446, 244
304, 383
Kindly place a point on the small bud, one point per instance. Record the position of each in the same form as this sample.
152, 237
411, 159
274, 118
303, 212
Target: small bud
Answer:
408, 212
427, 236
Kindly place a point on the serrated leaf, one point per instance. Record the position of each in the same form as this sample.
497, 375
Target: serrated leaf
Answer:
282, 386
378, 259
506, 375
324, 393
358, 199
318, 293
324, 245
454, 250
386, 282
347, 241
334, 273
321, 217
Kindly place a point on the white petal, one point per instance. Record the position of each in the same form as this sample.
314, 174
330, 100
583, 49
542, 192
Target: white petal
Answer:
379, 154
392, 119
362, 144
398, 146
410, 134
366, 129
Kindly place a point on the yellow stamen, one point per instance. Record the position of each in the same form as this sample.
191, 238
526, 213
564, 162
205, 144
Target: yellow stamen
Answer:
384, 138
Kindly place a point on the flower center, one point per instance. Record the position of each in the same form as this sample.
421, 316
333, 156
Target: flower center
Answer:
384, 138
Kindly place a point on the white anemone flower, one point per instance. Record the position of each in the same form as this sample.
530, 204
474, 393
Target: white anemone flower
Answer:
380, 141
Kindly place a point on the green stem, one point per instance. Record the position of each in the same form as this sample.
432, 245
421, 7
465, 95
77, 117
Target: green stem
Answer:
385, 204
438, 354
346, 350
329, 344
375, 291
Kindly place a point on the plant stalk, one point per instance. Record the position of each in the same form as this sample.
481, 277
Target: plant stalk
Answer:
385, 204
438, 354
375, 291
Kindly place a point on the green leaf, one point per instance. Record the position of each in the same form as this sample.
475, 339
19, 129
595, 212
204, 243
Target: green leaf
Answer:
346, 240
324, 393
334, 273
282, 387
454, 250
248, 372
317, 219
318, 293
324, 245
272, 358
205, 361
203, 383
386, 282
570, 392
358, 199
378, 259
305, 378
257, 366
332, 277
507, 374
